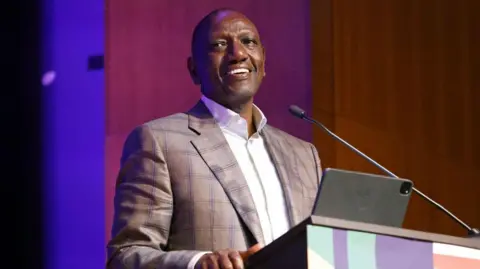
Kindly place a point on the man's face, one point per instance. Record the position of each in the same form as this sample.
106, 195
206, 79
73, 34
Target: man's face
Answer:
228, 59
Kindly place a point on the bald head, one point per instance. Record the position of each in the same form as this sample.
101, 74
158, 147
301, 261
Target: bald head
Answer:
202, 28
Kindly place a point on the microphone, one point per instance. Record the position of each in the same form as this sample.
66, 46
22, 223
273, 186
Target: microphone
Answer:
300, 113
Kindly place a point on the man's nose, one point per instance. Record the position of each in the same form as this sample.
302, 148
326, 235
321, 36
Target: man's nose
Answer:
237, 52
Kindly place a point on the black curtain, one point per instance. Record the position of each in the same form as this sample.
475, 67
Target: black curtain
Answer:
21, 110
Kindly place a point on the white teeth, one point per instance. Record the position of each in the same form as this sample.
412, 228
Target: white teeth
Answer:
238, 71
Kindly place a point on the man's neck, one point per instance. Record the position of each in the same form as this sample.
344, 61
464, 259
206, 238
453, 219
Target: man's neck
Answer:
246, 111
247, 114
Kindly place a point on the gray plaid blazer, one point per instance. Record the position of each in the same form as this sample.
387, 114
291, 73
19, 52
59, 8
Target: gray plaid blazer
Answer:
180, 191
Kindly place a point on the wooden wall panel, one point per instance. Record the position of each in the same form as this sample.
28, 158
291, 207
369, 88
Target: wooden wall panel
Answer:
323, 101
406, 91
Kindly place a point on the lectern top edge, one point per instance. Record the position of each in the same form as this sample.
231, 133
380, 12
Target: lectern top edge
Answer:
391, 231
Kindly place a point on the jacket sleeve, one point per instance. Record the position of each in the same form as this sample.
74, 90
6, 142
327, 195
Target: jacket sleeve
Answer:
143, 206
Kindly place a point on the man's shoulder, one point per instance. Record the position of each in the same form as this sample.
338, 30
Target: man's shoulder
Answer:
168, 122
174, 124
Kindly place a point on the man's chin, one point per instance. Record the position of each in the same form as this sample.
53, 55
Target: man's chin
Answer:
240, 94
240, 90
237, 98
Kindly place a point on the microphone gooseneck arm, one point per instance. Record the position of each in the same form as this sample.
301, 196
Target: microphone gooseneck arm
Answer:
300, 113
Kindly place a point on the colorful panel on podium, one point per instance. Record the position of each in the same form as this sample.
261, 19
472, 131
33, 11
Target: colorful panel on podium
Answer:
331, 248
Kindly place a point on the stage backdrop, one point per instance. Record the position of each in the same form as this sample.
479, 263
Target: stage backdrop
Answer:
397, 78
148, 42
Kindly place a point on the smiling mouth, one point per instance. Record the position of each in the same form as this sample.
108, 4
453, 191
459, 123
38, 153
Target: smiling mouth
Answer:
239, 73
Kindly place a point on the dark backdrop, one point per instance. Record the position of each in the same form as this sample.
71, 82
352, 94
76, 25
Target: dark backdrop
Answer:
21, 215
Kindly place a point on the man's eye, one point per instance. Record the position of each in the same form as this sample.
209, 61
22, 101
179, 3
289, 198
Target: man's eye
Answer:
249, 41
218, 44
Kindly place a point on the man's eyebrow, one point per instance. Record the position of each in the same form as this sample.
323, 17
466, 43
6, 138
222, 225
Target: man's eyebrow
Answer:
219, 33
250, 33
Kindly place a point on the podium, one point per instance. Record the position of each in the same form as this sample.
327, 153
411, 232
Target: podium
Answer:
327, 243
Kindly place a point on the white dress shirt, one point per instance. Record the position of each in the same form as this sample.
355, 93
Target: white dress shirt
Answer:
257, 167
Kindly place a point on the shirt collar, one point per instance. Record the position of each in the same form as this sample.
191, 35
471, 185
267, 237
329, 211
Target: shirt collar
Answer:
232, 121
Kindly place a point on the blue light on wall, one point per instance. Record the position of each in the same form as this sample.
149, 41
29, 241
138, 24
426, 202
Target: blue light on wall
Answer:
74, 120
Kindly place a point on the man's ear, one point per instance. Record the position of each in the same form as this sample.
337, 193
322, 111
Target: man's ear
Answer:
192, 69
264, 61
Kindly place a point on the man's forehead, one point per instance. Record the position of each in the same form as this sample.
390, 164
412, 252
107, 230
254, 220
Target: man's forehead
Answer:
204, 29
230, 20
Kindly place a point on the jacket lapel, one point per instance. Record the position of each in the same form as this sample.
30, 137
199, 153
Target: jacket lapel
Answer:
285, 161
215, 151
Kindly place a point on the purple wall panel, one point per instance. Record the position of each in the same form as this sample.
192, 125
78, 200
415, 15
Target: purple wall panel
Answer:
74, 143
148, 43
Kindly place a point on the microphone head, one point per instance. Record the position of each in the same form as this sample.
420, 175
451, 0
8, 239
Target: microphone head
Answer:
296, 111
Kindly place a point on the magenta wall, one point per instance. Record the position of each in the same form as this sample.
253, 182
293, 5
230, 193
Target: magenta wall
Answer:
147, 43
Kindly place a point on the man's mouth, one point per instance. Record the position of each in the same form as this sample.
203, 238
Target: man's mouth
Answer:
238, 73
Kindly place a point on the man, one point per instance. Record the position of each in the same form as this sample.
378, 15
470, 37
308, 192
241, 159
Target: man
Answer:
207, 188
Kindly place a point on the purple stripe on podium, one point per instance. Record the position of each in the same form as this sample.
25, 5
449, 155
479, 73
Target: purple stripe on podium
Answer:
340, 249
397, 253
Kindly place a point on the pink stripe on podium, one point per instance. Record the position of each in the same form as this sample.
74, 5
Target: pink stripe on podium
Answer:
452, 262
